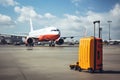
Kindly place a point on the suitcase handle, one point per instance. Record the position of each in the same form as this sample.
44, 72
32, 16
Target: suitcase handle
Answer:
99, 34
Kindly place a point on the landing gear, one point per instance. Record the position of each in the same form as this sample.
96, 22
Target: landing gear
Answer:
30, 45
52, 44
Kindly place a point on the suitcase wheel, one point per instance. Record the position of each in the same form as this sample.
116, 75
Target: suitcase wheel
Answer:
101, 70
90, 70
79, 69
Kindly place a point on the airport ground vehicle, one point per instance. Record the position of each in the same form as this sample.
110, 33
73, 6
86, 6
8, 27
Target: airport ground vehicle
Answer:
89, 55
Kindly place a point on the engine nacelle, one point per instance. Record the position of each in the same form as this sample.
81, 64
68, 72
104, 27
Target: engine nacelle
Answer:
30, 42
59, 41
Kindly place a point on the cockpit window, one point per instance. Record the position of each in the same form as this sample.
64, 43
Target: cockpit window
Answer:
55, 30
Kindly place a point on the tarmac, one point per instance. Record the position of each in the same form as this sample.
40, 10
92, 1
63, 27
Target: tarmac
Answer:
52, 63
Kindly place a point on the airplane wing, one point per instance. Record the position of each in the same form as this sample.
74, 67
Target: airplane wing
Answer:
67, 37
71, 37
19, 35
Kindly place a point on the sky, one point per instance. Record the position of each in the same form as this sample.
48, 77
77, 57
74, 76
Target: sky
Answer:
72, 17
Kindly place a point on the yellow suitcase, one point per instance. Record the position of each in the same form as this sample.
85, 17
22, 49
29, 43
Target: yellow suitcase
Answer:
89, 55
85, 53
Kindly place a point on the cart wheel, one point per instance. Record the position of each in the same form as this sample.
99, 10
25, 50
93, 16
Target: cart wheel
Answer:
76, 67
90, 70
72, 67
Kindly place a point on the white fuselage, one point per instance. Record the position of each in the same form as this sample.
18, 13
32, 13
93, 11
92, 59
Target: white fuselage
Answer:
47, 34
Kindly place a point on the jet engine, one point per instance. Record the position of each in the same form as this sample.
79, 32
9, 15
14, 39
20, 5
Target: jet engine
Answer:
30, 42
59, 41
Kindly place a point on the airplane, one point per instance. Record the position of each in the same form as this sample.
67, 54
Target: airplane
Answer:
114, 42
51, 34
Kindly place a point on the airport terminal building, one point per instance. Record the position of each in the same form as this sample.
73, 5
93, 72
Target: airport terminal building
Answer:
10, 39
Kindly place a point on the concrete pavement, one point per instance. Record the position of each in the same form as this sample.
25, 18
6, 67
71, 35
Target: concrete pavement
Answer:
52, 63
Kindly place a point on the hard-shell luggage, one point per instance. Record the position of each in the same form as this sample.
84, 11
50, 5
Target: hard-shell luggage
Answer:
89, 55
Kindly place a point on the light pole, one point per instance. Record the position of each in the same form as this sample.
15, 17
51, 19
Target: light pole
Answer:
109, 29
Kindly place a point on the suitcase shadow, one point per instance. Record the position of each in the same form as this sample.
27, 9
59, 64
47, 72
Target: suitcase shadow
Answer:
108, 72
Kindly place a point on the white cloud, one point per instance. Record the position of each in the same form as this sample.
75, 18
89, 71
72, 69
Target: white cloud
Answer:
26, 13
77, 12
8, 2
116, 10
76, 2
6, 22
49, 15
72, 24
39, 21
71, 17
4, 18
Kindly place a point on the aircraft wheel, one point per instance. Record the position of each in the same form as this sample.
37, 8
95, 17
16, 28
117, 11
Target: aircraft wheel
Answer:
53, 45
49, 44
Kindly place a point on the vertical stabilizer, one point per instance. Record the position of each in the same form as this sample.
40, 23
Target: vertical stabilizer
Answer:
31, 25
